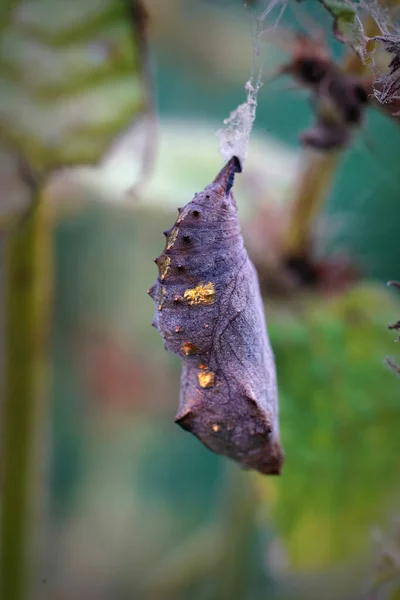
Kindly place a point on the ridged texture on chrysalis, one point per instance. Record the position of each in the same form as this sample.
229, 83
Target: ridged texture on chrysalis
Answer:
209, 311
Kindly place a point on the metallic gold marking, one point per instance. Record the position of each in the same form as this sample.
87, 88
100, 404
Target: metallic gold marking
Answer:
201, 294
189, 349
178, 329
215, 428
171, 239
161, 297
206, 379
163, 264
182, 215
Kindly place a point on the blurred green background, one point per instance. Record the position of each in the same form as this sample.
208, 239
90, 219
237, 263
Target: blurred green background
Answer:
133, 507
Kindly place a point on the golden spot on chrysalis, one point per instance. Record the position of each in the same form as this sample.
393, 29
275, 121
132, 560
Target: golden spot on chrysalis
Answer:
189, 349
203, 367
178, 329
201, 294
206, 379
183, 214
161, 297
163, 263
171, 239
215, 428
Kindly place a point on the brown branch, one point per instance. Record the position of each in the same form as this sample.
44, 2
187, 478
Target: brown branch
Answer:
319, 169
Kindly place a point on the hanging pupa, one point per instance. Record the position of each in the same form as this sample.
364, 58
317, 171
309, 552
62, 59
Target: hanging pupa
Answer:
209, 311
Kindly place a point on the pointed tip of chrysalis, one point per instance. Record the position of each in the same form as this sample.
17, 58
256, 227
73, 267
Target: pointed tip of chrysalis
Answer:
236, 164
225, 178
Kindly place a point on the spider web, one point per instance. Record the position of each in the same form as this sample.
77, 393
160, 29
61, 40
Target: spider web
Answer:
386, 80
234, 137
386, 83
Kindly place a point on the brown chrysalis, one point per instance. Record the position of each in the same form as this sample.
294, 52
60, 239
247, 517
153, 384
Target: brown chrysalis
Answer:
209, 311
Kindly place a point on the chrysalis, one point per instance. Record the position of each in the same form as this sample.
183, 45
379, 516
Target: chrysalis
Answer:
209, 311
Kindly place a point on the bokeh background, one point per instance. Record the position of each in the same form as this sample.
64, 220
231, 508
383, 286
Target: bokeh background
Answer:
130, 506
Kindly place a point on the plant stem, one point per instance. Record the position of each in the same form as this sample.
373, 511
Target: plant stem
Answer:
27, 273
315, 180
318, 173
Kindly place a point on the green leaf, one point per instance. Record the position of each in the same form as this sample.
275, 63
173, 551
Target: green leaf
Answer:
339, 409
345, 26
70, 78
340, 9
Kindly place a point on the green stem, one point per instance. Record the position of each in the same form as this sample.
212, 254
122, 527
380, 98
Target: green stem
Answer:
315, 181
319, 169
27, 272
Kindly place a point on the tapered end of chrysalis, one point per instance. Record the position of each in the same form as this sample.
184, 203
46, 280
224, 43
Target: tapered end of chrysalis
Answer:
225, 178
